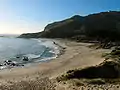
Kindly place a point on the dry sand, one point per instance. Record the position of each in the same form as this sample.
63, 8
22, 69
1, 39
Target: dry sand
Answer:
76, 55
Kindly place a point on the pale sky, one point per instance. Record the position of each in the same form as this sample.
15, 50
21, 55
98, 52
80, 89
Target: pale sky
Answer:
25, 16
12, 22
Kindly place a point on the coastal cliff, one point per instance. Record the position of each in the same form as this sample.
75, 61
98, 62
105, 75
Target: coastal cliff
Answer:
103, 25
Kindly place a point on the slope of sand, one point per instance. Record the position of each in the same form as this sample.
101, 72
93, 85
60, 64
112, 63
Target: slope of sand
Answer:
76, 55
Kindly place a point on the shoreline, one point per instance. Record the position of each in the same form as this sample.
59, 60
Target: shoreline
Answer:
35, 65
54, 47
76, 55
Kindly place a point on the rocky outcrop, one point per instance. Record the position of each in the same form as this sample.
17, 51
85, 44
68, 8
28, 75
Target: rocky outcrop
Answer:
108, 69
99, 25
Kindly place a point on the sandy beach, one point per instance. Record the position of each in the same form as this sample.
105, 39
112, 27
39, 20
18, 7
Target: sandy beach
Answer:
41, 76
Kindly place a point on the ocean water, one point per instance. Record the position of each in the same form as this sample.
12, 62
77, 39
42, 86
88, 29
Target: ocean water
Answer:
36, 50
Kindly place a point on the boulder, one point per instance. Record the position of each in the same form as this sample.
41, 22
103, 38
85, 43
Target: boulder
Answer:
25, 58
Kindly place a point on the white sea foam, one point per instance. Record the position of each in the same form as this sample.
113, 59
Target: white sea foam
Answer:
39, 51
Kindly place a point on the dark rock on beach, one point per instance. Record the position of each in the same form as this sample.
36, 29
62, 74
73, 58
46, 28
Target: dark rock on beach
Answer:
25, 58
10, 63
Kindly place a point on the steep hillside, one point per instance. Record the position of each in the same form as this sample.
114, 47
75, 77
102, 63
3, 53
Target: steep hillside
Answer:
102, 25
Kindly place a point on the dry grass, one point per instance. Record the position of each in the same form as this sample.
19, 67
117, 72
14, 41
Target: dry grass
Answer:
37, 84
97, 81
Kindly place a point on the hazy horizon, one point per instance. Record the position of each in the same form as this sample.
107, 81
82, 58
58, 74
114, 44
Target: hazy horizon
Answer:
28, 16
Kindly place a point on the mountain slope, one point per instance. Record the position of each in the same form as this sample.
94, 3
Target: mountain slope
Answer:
104, 25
